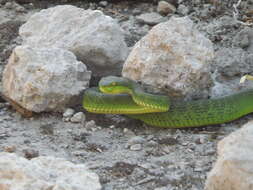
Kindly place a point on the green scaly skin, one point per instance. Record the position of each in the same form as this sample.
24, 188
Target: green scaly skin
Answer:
180, 114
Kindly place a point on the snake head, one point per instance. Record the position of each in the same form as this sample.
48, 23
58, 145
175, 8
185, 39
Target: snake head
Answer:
115, 85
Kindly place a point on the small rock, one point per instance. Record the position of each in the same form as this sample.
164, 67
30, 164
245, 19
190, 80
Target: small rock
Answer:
19, 9
168, 141
136, 147
201, 139
182, 9
8, 5
66, 119
90, 124
152, 143
165, 8
103, 3
136, 11
78, 117
69, 112
232, 62
47, 129
30, 153
244, 38
150, 18
10, 149
136, 140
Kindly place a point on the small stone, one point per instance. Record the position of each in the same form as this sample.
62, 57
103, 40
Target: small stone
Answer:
136, 140
242, 39
152, 143
150, 18
20, 9
68, 112
165, 8
182, 9
168, 141
47, 129
8, 5
136, 147
78, 117
112, 127
10, 149
66, 119
90, 124
103, 3
136, 11
30, 153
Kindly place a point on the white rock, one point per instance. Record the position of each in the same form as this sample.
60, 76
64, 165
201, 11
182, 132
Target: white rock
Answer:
42, 173
173, 57
44, 79
68, 112
234, 166
136, 147
165, 8
94, 38
79, 117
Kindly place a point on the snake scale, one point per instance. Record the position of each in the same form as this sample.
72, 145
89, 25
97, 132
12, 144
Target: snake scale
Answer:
118, 95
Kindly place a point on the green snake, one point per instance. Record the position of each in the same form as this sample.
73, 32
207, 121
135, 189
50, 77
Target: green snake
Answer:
118, 95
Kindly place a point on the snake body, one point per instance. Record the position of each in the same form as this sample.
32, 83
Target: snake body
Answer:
158, 110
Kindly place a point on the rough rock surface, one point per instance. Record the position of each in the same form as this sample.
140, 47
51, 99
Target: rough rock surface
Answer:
234, 63
234, 167
44, 79
94, 38
44, 173
175, 61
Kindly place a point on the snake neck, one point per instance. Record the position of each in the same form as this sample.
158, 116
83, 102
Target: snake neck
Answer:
157, 103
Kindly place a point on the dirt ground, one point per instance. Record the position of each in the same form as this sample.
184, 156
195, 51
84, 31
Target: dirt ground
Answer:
126, 154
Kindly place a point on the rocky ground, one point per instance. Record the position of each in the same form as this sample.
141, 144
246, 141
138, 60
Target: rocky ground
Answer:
127, 154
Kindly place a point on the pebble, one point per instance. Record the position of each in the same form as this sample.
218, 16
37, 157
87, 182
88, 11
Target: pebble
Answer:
136, 147
8, 5
152, 18
168, 140
90, 124
165, 8
136, 140
10, 149
182, 9
136, 11
20, 9
152, 143
69, 112
78, 117
30, 153
103, 3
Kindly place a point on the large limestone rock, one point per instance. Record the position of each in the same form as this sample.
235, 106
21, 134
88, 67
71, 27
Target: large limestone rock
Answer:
41, 173
44, 79
96, 39
173, 57
234, 167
